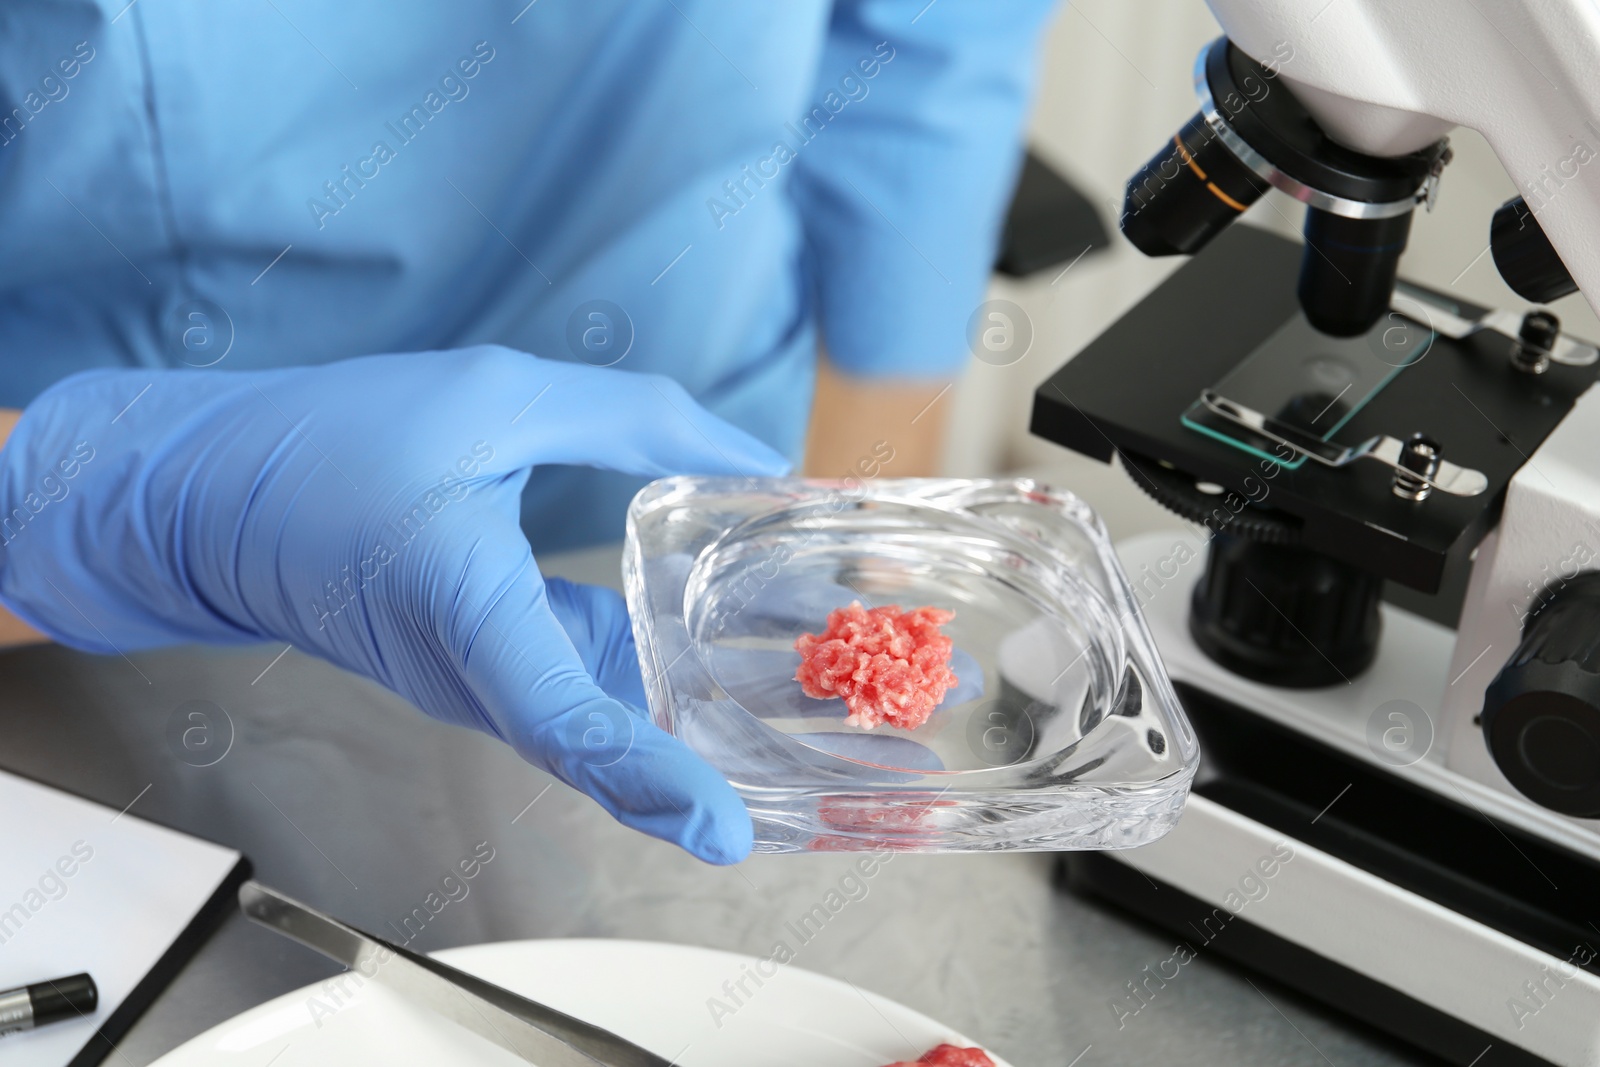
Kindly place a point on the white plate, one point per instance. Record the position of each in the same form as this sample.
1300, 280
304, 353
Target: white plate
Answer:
665, 997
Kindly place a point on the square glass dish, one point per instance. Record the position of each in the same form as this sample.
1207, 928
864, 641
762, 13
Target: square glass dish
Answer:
1062, 732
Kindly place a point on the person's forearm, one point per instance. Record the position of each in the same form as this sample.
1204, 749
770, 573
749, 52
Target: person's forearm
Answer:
862, 428
13, 631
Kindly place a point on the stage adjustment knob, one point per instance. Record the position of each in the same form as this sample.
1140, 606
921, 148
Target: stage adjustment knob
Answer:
1541, 714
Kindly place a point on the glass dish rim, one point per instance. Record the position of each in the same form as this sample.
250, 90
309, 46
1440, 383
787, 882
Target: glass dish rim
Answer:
1063, 505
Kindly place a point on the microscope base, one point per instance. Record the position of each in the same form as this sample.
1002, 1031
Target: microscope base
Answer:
1439, 910
1288, 963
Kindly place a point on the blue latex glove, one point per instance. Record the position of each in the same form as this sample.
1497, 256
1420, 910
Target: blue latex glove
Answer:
366, 512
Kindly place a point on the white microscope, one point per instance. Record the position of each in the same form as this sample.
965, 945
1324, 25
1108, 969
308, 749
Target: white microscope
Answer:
1388, 632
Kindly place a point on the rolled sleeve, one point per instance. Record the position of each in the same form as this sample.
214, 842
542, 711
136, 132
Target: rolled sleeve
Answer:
902, 190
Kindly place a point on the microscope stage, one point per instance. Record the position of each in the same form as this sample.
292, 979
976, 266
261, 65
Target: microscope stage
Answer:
1128, 391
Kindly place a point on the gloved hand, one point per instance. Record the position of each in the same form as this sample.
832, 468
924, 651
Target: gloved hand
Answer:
367, 512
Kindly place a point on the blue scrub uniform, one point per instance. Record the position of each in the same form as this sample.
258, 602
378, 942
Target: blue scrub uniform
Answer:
694, 187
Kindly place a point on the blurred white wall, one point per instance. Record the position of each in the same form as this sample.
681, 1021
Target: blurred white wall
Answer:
1116, 85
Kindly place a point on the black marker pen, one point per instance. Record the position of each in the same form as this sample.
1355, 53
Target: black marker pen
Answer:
26, 1007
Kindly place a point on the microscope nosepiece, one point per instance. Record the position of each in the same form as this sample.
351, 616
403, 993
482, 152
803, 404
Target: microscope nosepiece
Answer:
1251, 133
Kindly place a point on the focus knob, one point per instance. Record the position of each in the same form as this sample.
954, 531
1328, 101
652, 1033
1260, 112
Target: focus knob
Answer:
1541, 714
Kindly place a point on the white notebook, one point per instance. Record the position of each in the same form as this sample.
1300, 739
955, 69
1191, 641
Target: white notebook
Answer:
86, 888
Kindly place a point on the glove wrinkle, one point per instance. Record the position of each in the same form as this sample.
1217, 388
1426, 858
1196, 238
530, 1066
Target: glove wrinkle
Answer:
495, 596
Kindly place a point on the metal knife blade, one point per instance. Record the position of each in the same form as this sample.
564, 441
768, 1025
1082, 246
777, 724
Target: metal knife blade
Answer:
533, 1031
